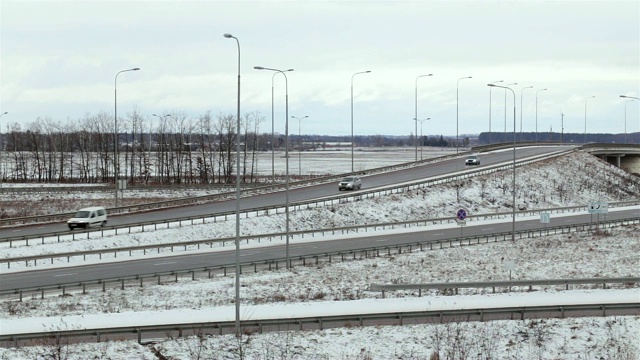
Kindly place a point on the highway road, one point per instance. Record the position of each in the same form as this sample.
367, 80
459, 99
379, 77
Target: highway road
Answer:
36, 278
300, 194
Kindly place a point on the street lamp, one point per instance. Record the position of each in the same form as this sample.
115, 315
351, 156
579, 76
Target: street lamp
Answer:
513, 182
416, 132
273, 137
1, 148
300, 144
421, 121
160, 147
585, 117
505, 111
521, 91
361, 72
495, 82
625, 113
537, 112
229, 36
116, 163
286, 153
457, 91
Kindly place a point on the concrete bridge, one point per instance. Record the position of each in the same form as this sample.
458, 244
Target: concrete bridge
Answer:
624, 156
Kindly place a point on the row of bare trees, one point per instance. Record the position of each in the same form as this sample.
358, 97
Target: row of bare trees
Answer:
168, 149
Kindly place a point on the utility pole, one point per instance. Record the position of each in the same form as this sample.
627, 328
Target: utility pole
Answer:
562, 129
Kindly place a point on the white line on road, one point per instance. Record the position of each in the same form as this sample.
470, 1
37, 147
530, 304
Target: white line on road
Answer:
487, 229
165, 263
71, 274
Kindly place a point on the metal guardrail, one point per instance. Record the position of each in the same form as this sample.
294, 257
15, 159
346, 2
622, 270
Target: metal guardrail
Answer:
503, 284
330, 200
280, 235
272, 187
321, 322
367, 252
58, 237
222, 196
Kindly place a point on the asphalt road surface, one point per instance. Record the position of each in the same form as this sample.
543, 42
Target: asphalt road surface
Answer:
35, 278
299, 194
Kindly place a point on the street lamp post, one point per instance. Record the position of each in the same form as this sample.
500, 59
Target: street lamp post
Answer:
513, 182
457, 91
421, 121
537, 112
161, 167
352, 76
229, 36
116, 163
585, 117
522, 91
286, 154
625, 113
495, 82
505, 111
300, 143
2, 149
416, 132
273, 136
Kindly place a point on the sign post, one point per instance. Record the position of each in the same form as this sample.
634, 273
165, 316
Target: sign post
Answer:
599, 208
461, 215
545, 218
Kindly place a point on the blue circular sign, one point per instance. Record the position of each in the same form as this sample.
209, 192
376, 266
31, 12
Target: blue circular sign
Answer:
461, 214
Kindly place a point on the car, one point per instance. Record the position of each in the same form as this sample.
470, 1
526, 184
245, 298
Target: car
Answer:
88, 217
472, 160
350, 183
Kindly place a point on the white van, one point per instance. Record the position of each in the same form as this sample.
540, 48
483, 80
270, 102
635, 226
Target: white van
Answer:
88, 217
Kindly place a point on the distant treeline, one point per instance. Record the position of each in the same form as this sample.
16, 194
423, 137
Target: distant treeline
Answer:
178, 149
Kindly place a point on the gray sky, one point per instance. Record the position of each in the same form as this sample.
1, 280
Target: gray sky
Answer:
59, 60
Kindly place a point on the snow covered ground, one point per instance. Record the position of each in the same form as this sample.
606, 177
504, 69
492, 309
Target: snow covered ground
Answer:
330, 286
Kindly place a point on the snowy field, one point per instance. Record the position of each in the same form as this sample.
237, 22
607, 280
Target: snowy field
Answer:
607, 254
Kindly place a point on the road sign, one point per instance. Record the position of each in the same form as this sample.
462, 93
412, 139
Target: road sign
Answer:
461, 223
461, 214
599, 208
545, 218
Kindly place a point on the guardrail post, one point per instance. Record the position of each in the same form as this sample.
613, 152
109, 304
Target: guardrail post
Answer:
84, 289
139, 336
98, 337
122, 281
604, 312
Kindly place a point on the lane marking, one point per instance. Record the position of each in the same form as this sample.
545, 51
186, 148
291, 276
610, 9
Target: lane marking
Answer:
165, 263
71, 274
487, 229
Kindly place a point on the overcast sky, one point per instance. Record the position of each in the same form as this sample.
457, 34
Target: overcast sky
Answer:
59, 60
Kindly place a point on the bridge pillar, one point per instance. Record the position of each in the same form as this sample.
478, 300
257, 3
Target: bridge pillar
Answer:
631, 164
